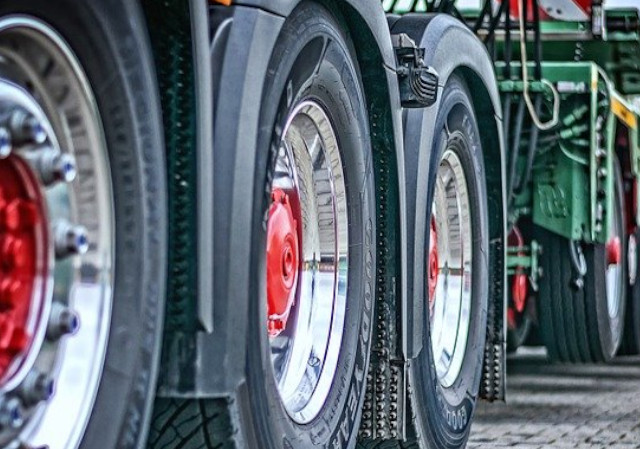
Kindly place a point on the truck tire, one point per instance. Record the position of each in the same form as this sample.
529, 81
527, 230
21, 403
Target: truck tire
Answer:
631, 341
79, 106
314, 258
519, 333
445, 377
582, 315
443, 393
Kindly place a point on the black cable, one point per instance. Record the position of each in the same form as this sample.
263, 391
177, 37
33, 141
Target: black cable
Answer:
455, 13
506, 114
515, 148
537, 56
508, 50
494, 22
531, 151
483, 13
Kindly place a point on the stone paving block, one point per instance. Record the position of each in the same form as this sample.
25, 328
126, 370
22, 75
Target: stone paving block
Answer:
563, 406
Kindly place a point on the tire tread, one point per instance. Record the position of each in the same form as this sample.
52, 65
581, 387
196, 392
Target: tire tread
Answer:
192, 424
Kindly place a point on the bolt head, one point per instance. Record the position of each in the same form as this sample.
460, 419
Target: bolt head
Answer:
65, 168
11, 413
5, 143
69, 322
33, 130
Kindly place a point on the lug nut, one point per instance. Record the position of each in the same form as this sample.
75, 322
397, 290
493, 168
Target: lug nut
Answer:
36, 387
11, 413
51, 165
63, 321
70, 239
26, 128
5, 143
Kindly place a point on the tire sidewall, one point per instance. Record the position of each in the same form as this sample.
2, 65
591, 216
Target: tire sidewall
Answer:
294, 76
447, 412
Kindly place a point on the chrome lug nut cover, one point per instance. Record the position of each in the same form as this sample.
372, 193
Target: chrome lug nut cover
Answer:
26, 128
11, 414
51, 165
70, 239
36, 387
62, 321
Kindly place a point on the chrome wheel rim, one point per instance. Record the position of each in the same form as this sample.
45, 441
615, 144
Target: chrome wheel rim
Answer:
305, 350
450, 304
55, 396
614, 275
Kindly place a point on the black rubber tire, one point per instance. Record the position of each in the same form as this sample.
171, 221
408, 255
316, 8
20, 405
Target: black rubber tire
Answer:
108, 38
574, 321
442, 416
312, 59
631, 340
520, 335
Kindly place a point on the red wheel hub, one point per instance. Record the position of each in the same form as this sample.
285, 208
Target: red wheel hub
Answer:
282, 262
22, 266
519, 281
613, 251
432, 269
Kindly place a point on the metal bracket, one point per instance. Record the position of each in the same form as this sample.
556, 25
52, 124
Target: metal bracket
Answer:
418, 83
525, 257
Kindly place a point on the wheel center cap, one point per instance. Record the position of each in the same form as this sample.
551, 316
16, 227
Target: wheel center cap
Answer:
282, 262
519, 281
613, 251
432, 275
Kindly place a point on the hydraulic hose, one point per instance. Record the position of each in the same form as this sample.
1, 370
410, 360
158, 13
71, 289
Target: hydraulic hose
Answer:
515, 147
531, 151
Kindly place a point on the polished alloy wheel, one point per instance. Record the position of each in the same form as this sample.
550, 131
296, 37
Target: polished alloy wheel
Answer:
307, 246
450, 303
615, 276
56, 226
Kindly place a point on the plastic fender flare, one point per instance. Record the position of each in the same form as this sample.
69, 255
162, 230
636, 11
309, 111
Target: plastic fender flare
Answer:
370, 11
450, 47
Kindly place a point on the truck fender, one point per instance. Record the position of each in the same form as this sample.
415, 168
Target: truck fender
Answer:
452, 48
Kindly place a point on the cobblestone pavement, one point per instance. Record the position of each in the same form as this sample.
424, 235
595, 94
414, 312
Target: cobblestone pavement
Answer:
563, 406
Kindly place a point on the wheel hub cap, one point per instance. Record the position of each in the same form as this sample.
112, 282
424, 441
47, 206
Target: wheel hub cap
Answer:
433, 263
613, 251
22, 250
519, 281
282, 261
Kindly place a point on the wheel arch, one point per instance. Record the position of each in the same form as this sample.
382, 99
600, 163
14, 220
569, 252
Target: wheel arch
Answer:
451, 48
